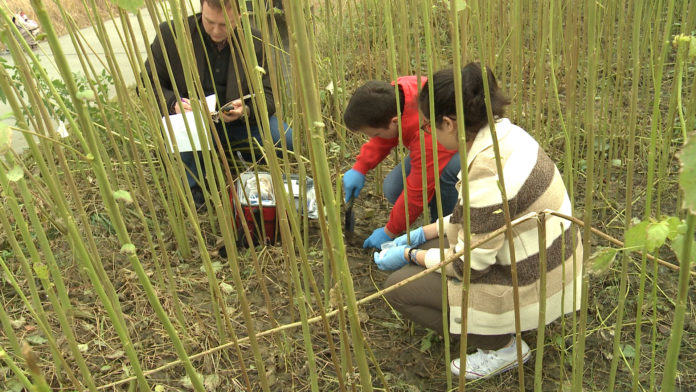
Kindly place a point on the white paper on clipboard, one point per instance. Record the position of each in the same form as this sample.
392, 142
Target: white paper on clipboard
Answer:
180, 133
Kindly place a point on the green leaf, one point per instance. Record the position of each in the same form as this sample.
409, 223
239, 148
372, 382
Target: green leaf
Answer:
460, 5
128, 249
687, 174
5, 137
425, 344
15, 386
637, 236
676, 227
628, 351
217, 266
15, 174
129, 5
677, 246
656, 235
123, 196
86, 95
36, 340
186, 380
41, 270
601, 260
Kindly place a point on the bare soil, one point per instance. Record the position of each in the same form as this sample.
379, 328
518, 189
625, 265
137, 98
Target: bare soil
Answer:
410, 357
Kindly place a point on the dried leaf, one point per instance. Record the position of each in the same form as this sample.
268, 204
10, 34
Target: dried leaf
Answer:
664, 329
226, 288
18, 323
115, 355
212, 382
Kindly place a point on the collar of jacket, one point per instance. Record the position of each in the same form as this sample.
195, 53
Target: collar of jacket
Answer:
484, 138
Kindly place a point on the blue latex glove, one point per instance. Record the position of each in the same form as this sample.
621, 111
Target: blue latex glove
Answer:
417, 238
353, 182
376, 239
392, 259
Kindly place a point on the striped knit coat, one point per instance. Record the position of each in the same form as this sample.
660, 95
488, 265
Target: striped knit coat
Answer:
533, 183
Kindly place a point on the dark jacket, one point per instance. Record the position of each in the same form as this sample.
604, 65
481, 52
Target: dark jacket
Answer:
236, 65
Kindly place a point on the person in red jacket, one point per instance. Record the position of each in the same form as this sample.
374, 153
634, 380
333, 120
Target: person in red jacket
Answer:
372, 110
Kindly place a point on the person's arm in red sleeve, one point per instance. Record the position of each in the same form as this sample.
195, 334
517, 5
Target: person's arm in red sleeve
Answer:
373, 152
414, 186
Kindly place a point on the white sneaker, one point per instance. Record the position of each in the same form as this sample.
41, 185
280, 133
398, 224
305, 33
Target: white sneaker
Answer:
486, 363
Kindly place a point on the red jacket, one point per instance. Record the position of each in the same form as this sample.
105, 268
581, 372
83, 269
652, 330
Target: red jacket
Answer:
376, 149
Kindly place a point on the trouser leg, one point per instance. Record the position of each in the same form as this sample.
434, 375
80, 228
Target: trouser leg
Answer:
194, 177
239, 138
276, 133
419, 300
488, 342
393, 185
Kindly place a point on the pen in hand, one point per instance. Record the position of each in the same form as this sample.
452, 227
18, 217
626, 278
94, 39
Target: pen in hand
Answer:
183, 106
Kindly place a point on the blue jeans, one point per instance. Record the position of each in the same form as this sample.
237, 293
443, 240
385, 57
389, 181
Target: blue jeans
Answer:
238, 138
393, 186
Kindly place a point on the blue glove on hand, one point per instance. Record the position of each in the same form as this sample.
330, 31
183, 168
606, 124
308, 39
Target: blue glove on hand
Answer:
353, 182
376, 239
392, 259
417, 238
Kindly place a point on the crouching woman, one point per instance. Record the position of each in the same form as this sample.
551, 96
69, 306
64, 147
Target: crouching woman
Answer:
533, 184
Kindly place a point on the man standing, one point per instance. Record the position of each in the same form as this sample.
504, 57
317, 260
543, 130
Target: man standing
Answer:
218, 51
372, 110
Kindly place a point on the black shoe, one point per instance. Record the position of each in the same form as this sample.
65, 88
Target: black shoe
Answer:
198, 197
